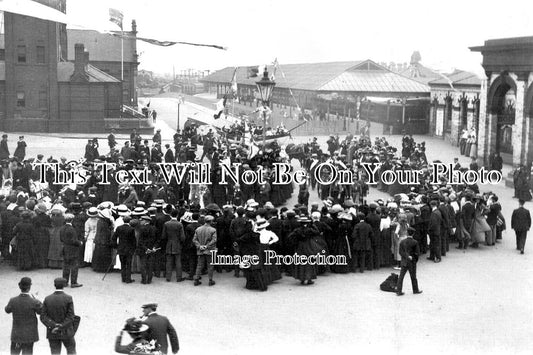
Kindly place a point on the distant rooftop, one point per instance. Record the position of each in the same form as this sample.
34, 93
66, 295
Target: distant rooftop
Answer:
66, 69
356, 76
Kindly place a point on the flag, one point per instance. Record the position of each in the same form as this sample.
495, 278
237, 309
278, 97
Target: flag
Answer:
220, 105
234, 83
116, 16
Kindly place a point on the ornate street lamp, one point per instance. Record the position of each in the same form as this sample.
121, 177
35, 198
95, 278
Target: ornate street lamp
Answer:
265, 87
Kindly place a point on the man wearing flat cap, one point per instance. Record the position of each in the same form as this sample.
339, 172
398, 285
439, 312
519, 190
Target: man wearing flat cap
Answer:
59, 318
159, 328
205, 240
24, 308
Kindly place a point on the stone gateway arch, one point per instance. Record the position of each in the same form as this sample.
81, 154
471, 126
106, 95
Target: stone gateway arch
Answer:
506, 107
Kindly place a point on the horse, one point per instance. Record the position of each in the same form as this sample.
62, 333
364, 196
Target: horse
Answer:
298, 151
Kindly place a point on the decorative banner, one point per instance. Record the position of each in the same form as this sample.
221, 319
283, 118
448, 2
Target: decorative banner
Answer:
167, 43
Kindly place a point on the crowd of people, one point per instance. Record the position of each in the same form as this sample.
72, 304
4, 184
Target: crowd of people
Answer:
158, 228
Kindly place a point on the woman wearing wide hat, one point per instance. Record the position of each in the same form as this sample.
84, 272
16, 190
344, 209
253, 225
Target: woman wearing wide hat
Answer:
267, 237
90, 234
24, 233
250, 244
141, 342
305, 236
102, 256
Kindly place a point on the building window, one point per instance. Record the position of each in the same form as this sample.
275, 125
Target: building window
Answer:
2, 54
21, 54
21, 99
43, 100
41, 59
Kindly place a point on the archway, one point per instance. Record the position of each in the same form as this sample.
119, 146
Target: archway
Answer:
501, 103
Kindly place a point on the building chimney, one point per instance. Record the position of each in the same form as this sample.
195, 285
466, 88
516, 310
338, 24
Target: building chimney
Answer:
134, 27
81, 59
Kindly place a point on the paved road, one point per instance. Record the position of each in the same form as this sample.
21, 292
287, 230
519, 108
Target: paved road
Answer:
474, 302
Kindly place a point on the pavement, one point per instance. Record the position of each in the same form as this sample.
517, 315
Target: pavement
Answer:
474, 302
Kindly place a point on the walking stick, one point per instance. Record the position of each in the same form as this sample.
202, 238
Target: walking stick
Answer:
108, 269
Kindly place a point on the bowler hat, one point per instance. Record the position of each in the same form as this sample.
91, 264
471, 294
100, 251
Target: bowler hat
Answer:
25, 282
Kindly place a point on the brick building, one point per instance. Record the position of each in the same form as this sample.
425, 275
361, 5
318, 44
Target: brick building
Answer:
42, 92
105, 50
506, 100
454, 100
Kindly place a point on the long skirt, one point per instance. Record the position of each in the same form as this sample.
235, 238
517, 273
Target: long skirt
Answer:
25, 255
89, 250
255, 279
271, 272
341, 246
304, 272
479, 229
42, 245
55, 257
102, 257
386, 247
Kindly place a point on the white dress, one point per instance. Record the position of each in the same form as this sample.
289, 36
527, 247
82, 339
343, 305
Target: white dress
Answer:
90, 233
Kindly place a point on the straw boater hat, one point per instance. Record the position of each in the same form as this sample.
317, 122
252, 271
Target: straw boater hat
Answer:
261, 223
187, 217
135, 326
92, 212
105, 213
304, 219
251, 203
138, 211
336, 209
159, 203
123, 211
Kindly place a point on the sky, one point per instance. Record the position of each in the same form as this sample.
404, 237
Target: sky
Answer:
257, 32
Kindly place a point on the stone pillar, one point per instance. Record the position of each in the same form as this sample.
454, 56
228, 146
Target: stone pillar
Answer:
519, 146
483, 132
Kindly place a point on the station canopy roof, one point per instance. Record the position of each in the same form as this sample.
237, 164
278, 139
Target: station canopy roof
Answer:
355, 76
458, 77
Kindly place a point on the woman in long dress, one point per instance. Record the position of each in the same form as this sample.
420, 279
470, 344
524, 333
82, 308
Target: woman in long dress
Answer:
342, 242
305, 237
250, 245
24, 232
267, 237
399, 227
55, 255
42, 225
102, 255
480, 225
90, 234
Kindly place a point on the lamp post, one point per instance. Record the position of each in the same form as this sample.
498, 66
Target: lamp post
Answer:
265, 86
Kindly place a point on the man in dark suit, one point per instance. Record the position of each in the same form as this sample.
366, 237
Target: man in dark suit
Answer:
125, 242
146, 249
362, 243
169, 155
521, 222
374, 220
409, 251
160, 327
24, 308
71, 251
58, 317
174, 234
434, 231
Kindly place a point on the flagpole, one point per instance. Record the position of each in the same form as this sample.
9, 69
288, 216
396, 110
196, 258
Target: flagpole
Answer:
122, 55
